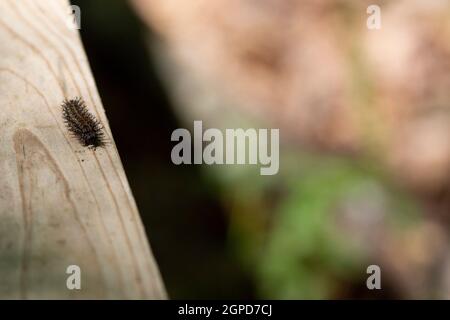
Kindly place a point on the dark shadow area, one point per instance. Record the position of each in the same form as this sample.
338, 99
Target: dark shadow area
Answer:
185, 223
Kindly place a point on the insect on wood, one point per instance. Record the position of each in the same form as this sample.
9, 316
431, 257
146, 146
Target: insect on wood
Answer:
82, 124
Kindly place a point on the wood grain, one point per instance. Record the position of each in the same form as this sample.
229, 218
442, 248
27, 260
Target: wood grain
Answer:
60, 204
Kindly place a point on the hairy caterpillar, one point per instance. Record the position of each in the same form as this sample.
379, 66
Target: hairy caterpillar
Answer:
82, 124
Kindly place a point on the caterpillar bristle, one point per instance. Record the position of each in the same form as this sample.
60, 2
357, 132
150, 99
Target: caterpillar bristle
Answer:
82, 124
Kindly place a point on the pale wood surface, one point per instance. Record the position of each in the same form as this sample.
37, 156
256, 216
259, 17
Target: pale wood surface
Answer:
60, 203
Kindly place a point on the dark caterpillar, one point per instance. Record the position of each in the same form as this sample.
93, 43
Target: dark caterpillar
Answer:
82, 124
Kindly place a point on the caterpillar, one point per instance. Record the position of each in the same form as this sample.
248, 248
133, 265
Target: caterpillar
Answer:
82, 124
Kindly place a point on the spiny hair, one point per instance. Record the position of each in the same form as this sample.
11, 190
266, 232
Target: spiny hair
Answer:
82, 124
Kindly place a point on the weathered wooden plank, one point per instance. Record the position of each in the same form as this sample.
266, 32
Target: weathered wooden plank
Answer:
61, 204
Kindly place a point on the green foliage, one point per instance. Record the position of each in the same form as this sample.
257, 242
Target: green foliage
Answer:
292, 242
305, 253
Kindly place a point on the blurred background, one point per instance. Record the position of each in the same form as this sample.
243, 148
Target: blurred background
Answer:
364, 118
